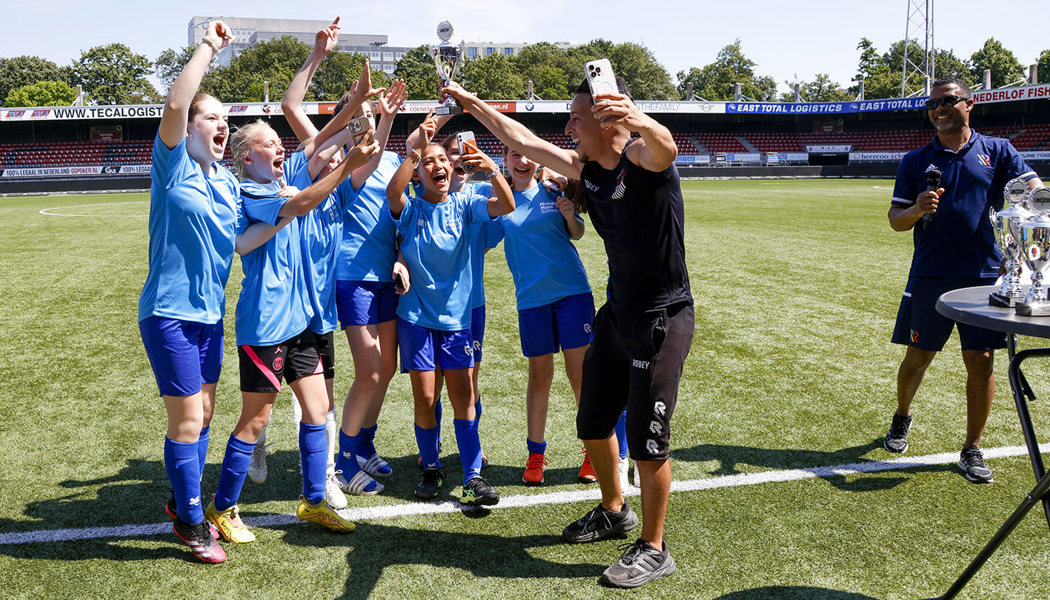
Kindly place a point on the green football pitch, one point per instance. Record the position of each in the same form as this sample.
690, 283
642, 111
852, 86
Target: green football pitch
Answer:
781, 489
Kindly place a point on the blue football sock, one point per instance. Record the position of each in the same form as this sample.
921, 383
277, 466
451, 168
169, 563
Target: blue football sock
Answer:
437, 416
345, 459
621, 434
366, 441
536, 447
180, 462
427, 441
469, 444
312, 448
234, 470
202, 448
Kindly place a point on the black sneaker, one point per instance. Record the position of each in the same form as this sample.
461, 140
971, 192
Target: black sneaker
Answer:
971, 461
198, 537
478, 492
428, 486
599, 524
897, 437
639, 565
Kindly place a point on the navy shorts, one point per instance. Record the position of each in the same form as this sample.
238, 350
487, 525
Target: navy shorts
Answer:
565, 323
365, 302
424, 349
477, 330
184, 355
920, 325
635, 363
263, 367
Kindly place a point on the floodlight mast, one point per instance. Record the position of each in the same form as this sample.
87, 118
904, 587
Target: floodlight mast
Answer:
918, 72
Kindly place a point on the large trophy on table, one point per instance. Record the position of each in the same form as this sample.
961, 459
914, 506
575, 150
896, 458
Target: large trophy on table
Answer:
446, 57
1035, 251
1007, 227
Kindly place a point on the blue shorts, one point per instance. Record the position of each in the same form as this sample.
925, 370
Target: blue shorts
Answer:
566, 323
477, 330
365, 302
424, 349
184, 355
920, 325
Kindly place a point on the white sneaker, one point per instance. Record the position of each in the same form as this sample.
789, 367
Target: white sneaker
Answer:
257, 463
625, 480
332, 492
360, 484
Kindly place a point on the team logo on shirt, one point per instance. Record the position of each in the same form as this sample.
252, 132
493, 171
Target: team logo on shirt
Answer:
985, 160
621, 188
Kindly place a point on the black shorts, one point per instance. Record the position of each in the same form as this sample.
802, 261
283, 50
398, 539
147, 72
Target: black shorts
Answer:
920, 325
635, 362
326, 348
263, 367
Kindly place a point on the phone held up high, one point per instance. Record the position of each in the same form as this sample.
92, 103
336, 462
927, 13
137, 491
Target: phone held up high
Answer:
359, 127
467, 145
600, 77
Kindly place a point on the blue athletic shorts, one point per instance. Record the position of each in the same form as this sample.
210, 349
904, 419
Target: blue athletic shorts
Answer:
184, 355
365, 302
920, 325
566, 323
424, 349
477, 330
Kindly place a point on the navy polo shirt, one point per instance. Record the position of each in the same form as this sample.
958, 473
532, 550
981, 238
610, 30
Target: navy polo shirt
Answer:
958, 240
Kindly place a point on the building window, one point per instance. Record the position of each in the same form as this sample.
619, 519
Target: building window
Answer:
489, 51
388, 56
398, 56
508, 51
374, 55
388, 68
472, 52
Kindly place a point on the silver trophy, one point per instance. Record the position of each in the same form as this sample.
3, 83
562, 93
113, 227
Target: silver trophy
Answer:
446, 57
1035, 251
1006, 224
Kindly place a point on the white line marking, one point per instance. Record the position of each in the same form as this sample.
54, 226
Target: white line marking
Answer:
46, 211
525, 500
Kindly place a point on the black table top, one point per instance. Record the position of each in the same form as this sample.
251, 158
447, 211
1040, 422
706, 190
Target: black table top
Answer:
970, 306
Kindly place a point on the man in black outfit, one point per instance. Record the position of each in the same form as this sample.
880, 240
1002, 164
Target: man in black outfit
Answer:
643, 332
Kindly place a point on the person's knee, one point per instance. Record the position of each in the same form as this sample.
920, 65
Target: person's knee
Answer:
979, 363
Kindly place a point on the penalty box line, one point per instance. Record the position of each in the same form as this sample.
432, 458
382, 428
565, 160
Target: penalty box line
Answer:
371, 513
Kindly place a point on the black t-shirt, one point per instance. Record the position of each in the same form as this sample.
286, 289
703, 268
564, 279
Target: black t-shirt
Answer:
640, 216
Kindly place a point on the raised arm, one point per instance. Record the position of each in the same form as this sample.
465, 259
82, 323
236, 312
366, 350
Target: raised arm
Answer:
257, 234
395, 190
177, 108
292, 103
657, 149
308, 199
515, 135
360, 91
501, 199
390, 103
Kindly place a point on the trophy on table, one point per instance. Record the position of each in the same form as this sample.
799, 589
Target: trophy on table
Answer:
1035, 251
1006, 224
446, 57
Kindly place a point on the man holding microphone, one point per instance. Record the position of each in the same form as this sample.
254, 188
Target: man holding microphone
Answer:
943, 193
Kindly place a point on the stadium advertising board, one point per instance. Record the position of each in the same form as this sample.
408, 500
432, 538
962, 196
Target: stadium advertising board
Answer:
76, 171
822, 108
1028, 92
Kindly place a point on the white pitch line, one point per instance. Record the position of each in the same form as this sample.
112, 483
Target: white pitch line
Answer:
372, 513
46, 211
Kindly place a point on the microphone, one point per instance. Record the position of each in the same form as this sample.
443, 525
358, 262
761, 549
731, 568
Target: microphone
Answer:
933, 181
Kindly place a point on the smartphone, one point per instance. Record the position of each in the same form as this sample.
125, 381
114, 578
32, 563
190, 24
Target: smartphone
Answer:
600, 77
359, 127
467, 145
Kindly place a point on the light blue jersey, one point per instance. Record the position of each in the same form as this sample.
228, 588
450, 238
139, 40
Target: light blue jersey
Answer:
368, 250
272, 307
542, 258
321, 232
436, 247
483, 236
192, 220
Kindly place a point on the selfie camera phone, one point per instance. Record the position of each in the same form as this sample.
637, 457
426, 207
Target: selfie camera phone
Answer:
467, 145
359, 128
600, 77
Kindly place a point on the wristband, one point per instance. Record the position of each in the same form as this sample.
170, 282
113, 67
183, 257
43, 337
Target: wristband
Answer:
416, 156
210, 43
493, 174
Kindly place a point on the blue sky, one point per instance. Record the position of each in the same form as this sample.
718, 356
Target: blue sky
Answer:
786, 39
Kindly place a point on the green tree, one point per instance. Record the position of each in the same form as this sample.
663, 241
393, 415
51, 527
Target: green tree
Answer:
1003, 64
42, 93
549, 68
821, 89
20, 71
337, 73
946, 64
647, 79
492, 77
1043, 65
716, 81
170, 63
113, 74
417, 69
275, 61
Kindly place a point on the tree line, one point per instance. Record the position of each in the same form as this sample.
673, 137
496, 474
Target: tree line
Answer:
113, 74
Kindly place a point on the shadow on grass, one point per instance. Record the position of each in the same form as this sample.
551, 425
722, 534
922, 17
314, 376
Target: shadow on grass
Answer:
372, 547
793, 593
730, 457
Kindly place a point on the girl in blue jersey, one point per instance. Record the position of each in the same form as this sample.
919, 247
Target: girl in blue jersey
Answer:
365, 295
434, 316
193, 208
555, 305
274, 341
